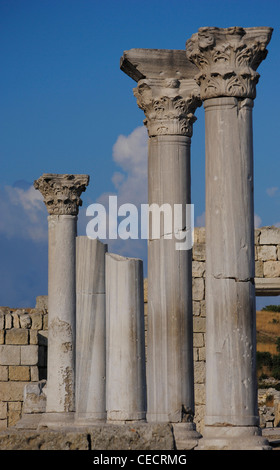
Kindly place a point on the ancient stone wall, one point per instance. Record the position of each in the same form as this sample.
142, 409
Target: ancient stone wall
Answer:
23, 356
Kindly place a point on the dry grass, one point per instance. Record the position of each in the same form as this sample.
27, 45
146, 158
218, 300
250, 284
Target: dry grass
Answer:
268, 330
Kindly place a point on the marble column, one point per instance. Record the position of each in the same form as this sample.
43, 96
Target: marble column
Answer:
168, 95
125, 340
90, 331
228, 59
62, 199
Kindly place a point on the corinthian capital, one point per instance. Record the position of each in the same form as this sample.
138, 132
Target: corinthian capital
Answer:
62, 192
166, 90
228, 59
168, 104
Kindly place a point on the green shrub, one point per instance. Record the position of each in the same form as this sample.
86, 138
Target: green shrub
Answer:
271, 308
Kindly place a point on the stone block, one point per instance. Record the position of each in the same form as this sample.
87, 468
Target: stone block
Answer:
3, 424
271, 268
200, 396
270, 236
25, 321
267, 253
198, 288
199, 252
199, 235
33, 337
16, 322
199, 324
29, 355
259, 269
4, 373
198, 340
203, 308
202, 354
2, 321
3, 410
8, 321
196, 308
17, 336
199, 372
2, 336
12, 391
14, 413
36, 321
146, 436
198, 268
9, 355
34, 374
19, 373
34, 400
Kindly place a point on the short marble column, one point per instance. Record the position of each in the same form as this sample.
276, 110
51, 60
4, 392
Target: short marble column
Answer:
228, 59
125, 340
168, 95
90, 331
62, 199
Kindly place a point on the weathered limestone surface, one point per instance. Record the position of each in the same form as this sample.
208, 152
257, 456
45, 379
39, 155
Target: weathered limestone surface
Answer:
90, 330
134, 436
125, 339
227, 60
167, 93
62, 198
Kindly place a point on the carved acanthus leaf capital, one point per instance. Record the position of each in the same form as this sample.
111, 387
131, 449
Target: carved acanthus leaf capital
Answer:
228, 59
62, 192
169, 105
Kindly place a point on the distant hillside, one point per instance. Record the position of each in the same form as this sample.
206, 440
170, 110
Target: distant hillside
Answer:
268, 331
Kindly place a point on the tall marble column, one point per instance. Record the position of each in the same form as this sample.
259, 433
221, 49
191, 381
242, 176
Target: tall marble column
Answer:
168, 95
228, 59
62, 199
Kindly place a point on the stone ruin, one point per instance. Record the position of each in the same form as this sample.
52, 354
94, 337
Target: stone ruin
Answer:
102, 373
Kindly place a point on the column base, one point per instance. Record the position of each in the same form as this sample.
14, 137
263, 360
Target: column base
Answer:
84, 419
57, 420
233, 438
186, 436
123, 416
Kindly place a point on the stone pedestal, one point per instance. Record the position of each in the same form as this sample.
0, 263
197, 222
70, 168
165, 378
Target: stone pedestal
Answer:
168, 95
90, 331
228, 59
125, 340
62, 198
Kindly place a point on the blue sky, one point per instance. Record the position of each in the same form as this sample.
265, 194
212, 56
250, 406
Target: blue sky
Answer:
65, 107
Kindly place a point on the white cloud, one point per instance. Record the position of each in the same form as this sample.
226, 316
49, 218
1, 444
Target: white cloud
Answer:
272, 191
130, 182
23, 213
131, 153
257, 221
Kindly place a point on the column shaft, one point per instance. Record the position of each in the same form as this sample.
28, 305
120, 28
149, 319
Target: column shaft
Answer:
170, 346
125, 363
90, 330
230, 290
61, 307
